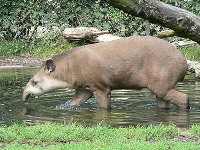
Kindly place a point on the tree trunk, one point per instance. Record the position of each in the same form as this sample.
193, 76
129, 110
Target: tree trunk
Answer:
183, 22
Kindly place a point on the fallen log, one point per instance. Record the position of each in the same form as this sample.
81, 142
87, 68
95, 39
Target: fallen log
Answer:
89, 33
194, 67
183, 22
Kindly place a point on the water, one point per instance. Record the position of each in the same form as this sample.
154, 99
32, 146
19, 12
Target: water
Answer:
128, 107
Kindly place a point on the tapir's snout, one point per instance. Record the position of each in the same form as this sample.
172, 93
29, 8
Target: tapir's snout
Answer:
25, 95
43, 81
31, 89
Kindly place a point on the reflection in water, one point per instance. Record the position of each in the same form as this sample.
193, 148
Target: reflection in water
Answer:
128, 107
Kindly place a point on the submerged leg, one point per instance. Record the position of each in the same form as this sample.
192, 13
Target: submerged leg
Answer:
80, 95
160, 94
173, 96
163, 104
178, 98
103, 98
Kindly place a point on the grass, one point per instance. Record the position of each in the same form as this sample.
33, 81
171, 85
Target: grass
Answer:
40, 48
46, 49
58, 136
191, 53
195, 130
12, 48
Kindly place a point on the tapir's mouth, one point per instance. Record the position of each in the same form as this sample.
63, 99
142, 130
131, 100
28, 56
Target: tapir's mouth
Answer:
25, 96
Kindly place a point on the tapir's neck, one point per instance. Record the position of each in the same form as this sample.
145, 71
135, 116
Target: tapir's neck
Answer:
68, 71
63, 70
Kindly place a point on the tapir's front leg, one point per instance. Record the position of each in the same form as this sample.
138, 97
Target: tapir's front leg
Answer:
103, 98
79, 96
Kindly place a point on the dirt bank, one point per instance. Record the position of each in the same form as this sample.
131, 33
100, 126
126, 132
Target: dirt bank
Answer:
14, 62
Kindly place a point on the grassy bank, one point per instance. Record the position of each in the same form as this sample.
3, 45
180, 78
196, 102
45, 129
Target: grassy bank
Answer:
39, 49
47, 48
58, 136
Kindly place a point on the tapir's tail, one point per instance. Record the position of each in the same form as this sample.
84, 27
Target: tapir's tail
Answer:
184, 72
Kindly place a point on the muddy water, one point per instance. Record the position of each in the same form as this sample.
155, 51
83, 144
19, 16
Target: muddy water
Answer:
128, 107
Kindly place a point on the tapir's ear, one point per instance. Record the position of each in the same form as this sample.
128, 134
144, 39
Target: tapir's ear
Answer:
50, 66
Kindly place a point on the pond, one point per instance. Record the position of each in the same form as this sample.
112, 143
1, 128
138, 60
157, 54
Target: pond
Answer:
129, 107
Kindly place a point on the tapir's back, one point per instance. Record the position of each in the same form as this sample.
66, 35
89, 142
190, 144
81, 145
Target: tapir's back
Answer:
135, 46
133, 51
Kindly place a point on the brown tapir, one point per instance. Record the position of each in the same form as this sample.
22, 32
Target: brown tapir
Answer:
128, 63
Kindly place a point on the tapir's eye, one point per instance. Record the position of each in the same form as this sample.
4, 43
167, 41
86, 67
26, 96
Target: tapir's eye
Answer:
34, 82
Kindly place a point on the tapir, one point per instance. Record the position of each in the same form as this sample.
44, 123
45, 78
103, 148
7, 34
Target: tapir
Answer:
135, 62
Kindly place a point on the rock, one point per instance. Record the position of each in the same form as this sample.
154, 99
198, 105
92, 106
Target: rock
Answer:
194, 66
106, 37
184, 43
79, 33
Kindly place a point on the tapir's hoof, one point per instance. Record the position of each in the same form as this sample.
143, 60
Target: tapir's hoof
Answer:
67, 105
185, 107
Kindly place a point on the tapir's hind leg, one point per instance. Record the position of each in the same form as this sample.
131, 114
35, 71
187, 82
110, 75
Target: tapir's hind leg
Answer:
165, 93
163, 104
178, 98
160, 90
172, 96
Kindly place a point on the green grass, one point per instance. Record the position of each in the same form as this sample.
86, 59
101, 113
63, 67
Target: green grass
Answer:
112, 146
12, 48
195, 130
58, 136
191, 53
46, 49
40, 49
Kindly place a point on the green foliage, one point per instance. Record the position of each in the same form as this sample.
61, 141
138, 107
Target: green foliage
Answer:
190, 5
18, 17
9, 48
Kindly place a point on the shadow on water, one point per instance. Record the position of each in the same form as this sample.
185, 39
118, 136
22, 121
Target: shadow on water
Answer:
128, 107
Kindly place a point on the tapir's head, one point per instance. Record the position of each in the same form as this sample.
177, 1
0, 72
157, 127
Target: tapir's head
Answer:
44, 80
